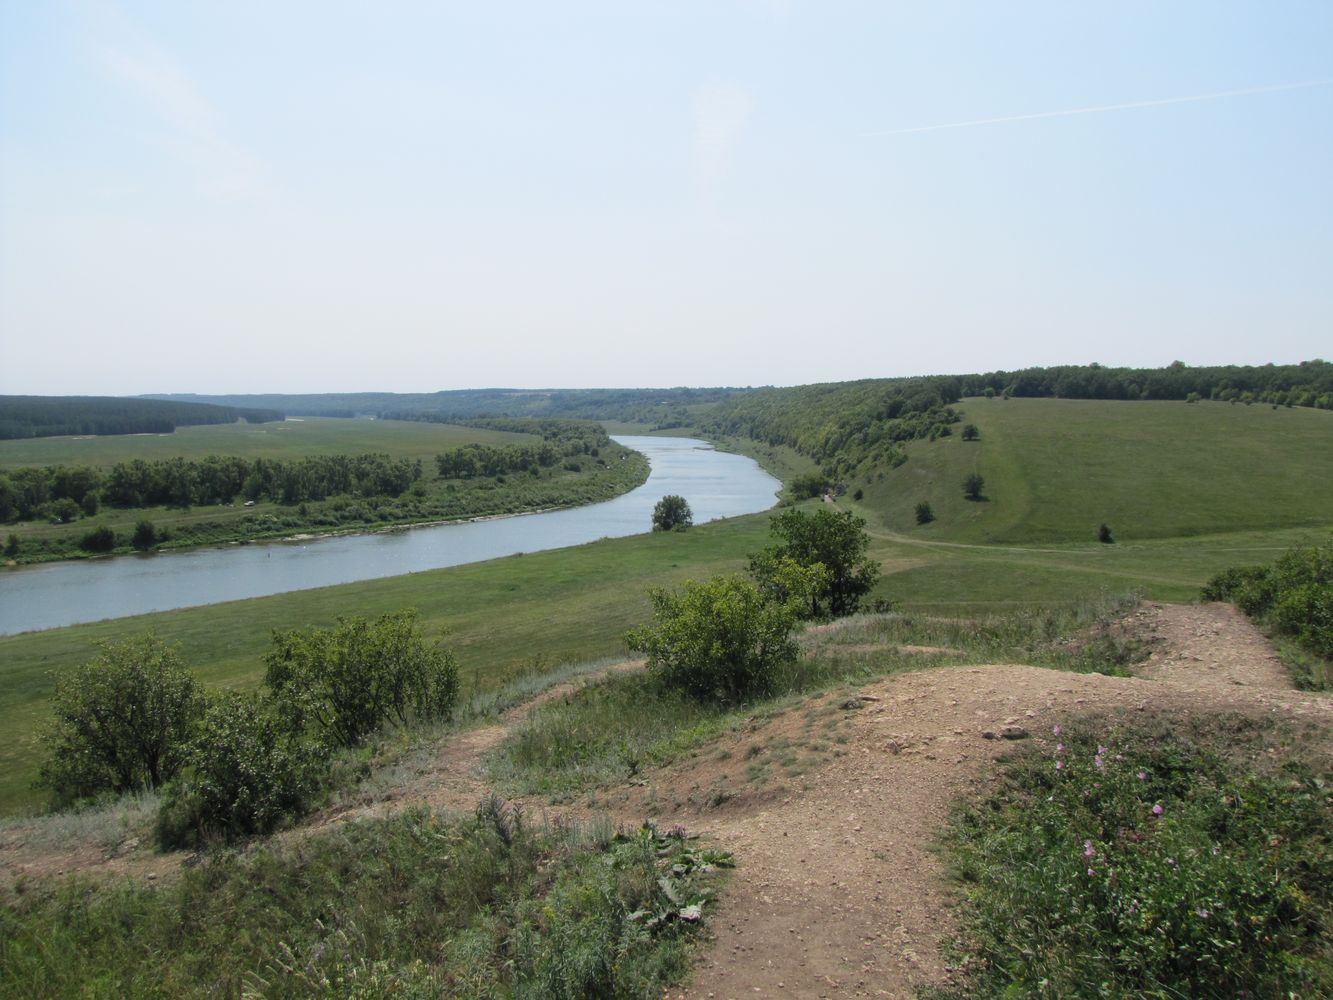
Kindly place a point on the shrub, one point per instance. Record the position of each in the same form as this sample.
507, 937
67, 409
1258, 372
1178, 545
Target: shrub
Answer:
970, 432
352, 679
973, 484
806, 486
924, 515
1294, 595
672, 513
248, 775
145, 536
12, 545
122, 720
716, 640
1104, 535
101, 539
859, 494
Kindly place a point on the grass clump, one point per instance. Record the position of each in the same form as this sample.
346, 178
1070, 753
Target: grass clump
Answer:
1132, 860
412, 906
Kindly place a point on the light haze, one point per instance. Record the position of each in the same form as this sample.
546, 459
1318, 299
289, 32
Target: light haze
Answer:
298, 197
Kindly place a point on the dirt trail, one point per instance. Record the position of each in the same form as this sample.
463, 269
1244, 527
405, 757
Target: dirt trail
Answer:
832, 808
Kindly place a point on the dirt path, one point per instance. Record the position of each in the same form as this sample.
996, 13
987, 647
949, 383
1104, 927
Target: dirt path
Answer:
837, 892
832, 808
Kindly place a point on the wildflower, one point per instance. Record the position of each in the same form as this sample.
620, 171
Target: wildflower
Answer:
1059, 765
1142, 775
1157, 810
1170, 861
1055, 731
1101, 751
1091, 872
1088, 849
1203, 913
1098, 761
1059, 748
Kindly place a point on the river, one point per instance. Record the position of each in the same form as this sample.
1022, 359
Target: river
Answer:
715, 483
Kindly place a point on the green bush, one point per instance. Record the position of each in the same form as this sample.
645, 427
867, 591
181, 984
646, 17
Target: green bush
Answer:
101, 539
973, 484
1294, 595
1119, 861
350, 680
248, 775
924, 515
122, 720
145, 536
716, 640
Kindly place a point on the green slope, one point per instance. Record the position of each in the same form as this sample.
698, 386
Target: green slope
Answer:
1057, 468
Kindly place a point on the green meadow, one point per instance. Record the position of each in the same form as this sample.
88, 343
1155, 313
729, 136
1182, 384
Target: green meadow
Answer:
294, 438
1189, 490
1055, 469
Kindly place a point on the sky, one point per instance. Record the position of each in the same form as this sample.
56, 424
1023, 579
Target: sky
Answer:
290, 196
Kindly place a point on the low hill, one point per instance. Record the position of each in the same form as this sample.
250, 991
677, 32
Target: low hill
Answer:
1055, 469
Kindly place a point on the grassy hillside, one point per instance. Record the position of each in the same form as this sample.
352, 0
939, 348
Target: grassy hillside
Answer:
1057, 468
288, 439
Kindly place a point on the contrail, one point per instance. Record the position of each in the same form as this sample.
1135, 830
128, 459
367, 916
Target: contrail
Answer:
1106, 107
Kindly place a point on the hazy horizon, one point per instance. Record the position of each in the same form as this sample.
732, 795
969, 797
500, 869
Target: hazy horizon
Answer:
294, 198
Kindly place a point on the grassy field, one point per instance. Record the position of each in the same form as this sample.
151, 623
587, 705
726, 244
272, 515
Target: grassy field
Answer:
295, 438
1055, 469
1176, 482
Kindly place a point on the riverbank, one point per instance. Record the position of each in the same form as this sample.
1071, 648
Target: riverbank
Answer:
589, 480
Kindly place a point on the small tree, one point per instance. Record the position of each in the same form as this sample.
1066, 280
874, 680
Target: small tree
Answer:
145, 536
65, 510
12, 545
352, 679
672, 513
716, 640
973, 485
924, 515
122, 720
1104, 535
834, 539
811, 484
970, 432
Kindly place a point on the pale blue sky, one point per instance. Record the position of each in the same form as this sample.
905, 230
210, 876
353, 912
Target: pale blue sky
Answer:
266, 196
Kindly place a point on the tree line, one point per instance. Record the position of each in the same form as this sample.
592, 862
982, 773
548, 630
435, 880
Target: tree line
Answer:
36, 492
54, 416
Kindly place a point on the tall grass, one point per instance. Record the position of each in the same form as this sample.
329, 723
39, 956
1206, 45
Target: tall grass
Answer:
412, 906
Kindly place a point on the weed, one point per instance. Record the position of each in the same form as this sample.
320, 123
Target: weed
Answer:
1148, 859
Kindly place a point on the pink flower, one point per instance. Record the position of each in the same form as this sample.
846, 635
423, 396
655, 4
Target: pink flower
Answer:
1059, 765
1157, 810
1088, 849
1170, 861
1055, 731
1098, 761
1101, 751
1091, 873
1203, 913
1059, 748
1142, 776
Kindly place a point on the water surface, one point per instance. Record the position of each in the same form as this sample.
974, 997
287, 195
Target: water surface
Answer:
716, 484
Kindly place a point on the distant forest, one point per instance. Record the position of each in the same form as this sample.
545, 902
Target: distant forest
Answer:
55, 416
846, 426
662, 408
